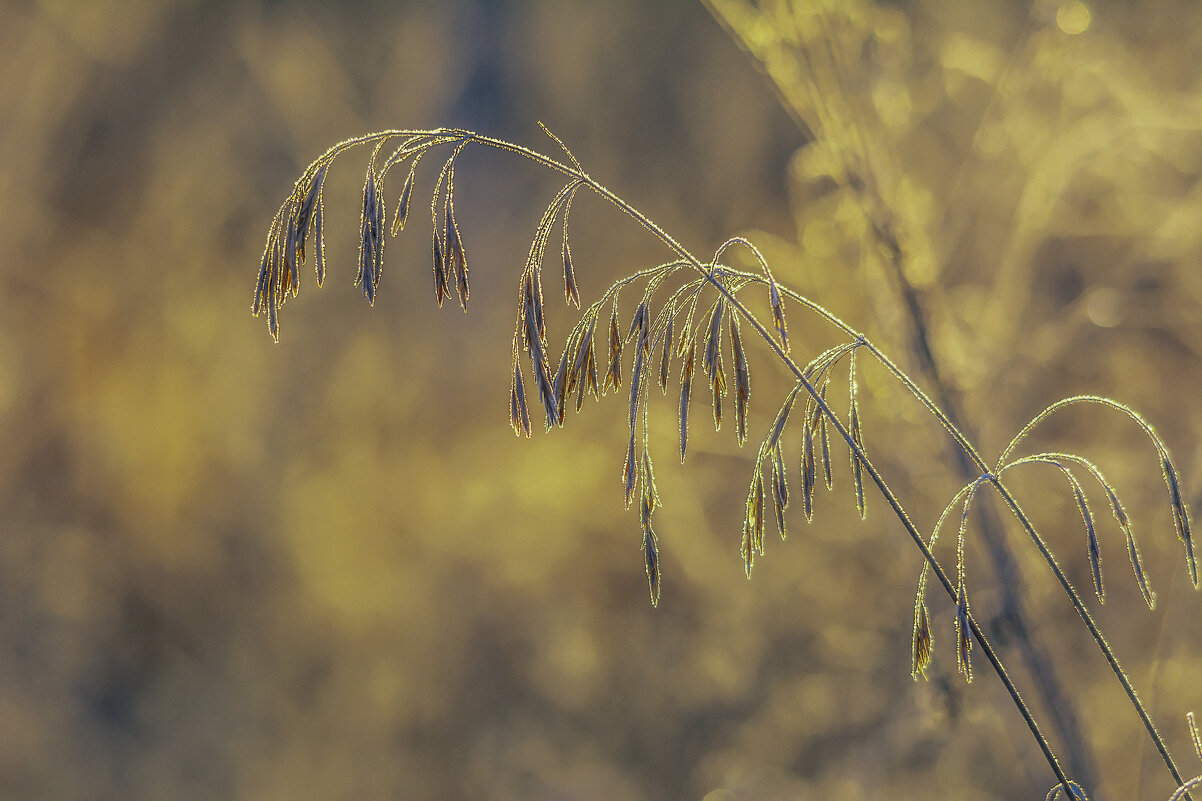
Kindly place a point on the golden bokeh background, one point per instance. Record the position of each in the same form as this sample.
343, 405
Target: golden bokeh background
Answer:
325, 569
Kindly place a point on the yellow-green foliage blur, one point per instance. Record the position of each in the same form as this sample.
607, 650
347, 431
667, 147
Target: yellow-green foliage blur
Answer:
326, 569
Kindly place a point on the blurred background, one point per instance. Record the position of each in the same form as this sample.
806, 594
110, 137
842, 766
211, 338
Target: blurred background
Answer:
326, 569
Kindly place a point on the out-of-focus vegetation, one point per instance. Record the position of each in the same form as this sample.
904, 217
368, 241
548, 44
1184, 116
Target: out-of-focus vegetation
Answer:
326, 569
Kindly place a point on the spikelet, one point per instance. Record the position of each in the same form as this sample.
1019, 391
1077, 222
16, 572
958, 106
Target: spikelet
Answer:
782, 417
456, 254
404, 201
742, 380
650, 500
780, 489
778, 313
440, 273
613, 377
1091, 537
746, 549
519, 415
824, 439
923, 643
536, 347
319, 261
686, 383
561, 382
963, 635
371, 244
665, 363
289, 279
584, 369
1180, 515
1124, 521
857, 468
713, 362
635, 383
853, 426
651, 559
756, 509
629, 471
308, 207
808, 474
571, 293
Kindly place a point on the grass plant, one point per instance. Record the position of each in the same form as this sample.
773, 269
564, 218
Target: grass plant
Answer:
686, 333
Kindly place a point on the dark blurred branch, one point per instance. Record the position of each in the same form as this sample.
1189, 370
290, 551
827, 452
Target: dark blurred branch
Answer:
1009, 625
1011, 618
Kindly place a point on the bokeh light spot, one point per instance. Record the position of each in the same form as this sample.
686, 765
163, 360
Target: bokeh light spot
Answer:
1104, 306
1073, 17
